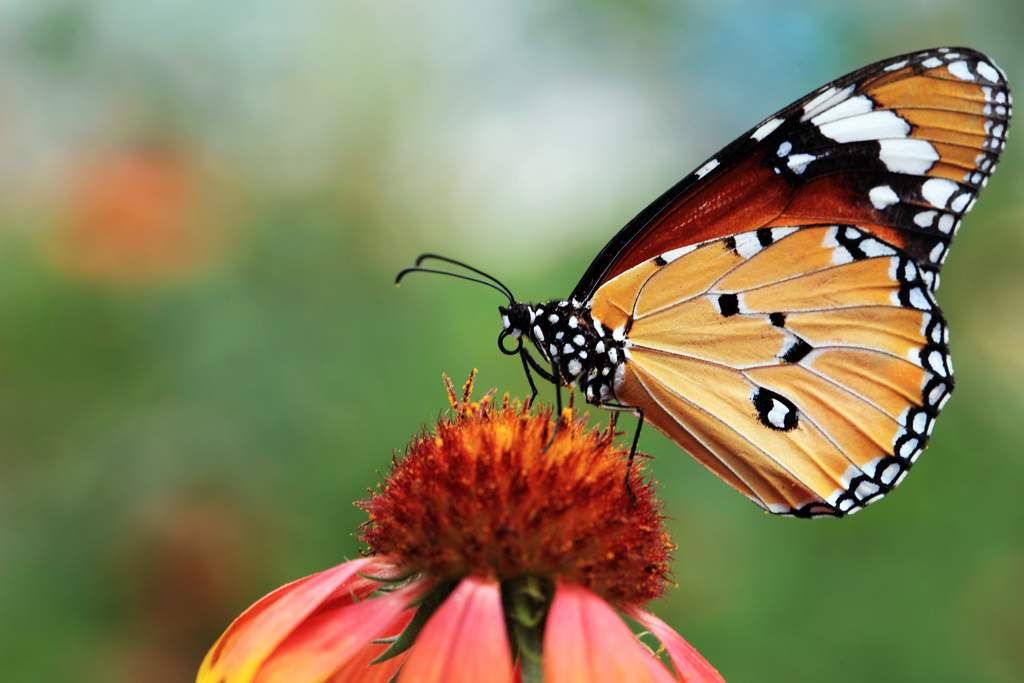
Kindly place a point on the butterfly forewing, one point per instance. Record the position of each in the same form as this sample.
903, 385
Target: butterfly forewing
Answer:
899, 149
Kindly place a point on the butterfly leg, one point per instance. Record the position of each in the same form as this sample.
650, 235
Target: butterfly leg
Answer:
615, 409
524, 354
555, 372
529, 362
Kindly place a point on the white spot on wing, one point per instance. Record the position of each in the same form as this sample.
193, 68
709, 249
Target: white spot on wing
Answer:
960, 202
841, 256
671, 256
908, 155
872, 248
897, 66
961, 70
925, 218
779, 233
747, 244
918, 300
870, 467
785, 148
766, 129
866, 490
875, 125
882, 196
798, 162
851, 107
889, 473
987, 72
777, 415
938, 191
830, 241
707, 168
931, 63
829, 98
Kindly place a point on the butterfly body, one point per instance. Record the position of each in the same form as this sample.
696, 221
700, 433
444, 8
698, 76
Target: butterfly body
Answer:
774, 313
582, 352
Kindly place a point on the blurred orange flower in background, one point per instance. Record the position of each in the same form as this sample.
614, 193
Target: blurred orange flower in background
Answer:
135, 215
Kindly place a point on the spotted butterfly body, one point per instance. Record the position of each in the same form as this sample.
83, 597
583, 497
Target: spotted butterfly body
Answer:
774, 312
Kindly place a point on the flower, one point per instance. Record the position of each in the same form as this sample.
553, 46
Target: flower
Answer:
137, 215
496, 551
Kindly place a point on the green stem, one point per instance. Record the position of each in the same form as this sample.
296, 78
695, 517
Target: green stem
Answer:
527, 601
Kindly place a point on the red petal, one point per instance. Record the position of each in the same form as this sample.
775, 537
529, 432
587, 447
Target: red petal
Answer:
360, 670
689, 665
586, 641
329, 640
249, 640
464, 641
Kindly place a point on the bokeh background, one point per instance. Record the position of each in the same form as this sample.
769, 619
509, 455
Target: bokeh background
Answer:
204, 362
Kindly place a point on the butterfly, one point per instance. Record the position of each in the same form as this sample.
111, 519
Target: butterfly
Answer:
774, 312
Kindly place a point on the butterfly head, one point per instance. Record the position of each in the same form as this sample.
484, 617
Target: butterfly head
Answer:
566, 337
516, 321
516, 318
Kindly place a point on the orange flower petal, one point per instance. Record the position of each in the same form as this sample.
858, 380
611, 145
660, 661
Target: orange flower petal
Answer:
359, 668
689, 665
249, 640
326, 642
586, 641
464, 641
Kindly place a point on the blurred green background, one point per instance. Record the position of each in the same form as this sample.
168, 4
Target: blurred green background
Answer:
204, 362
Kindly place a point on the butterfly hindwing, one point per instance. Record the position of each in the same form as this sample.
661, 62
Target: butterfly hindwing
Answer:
804, 365
898, 149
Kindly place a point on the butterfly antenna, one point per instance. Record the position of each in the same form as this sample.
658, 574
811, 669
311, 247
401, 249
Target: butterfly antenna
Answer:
491, 281
438, 257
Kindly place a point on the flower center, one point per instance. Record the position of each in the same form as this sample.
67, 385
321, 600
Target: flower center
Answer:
487, 494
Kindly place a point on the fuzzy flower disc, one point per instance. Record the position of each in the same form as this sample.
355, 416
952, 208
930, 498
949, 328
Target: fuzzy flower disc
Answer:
486, 494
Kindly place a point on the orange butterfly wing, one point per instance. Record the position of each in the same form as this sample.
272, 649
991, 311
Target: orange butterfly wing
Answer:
777, 304
805, 373
899, 148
